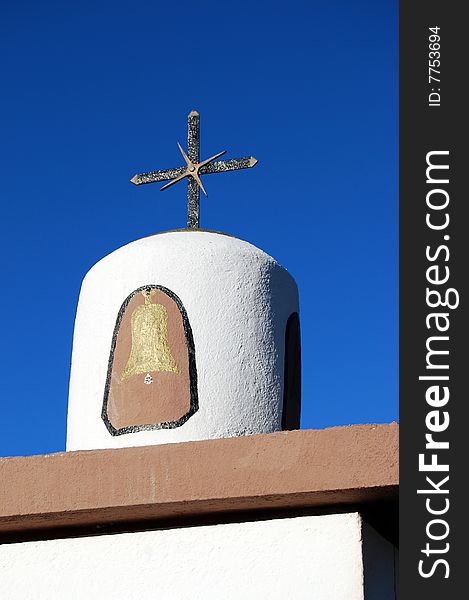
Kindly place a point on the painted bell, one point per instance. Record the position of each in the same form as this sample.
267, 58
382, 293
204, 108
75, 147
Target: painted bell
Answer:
150, 382
150, 348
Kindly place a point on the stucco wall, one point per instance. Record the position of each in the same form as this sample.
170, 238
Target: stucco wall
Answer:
237, 299
310, 557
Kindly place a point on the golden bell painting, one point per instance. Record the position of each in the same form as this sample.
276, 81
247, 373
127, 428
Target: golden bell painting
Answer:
152, 379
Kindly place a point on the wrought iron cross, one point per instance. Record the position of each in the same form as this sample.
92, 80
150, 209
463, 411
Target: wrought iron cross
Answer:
194, 169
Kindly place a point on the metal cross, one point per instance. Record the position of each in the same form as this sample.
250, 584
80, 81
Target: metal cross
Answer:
193, 169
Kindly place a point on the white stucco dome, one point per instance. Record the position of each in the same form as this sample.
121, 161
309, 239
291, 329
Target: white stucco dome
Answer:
237, 301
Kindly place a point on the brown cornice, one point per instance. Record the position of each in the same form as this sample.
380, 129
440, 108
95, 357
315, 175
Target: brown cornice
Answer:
354, 465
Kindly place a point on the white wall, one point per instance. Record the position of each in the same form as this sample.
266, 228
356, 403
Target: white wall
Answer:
310, 558
238, 300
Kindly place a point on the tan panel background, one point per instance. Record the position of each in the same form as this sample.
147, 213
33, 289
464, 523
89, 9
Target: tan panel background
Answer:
167, 398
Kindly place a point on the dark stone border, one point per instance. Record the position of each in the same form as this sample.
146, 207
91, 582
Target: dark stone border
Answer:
194, 400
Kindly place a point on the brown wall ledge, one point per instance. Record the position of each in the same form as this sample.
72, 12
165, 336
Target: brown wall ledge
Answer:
351, 465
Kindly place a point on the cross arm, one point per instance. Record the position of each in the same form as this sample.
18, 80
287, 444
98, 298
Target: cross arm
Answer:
153, 176
219, 166
233, 164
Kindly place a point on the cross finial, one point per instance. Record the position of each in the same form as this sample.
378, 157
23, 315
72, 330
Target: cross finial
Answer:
193, 169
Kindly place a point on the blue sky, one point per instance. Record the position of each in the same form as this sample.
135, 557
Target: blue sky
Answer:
95, 92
